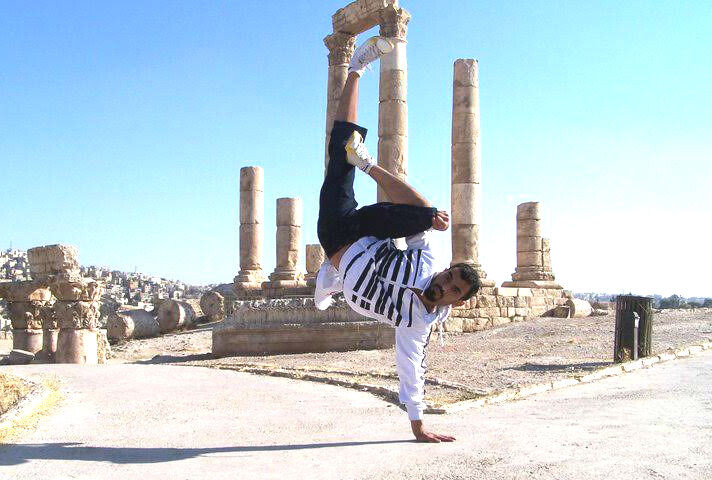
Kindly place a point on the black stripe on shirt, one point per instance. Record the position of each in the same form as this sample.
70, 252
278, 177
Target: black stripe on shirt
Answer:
397, 266
370, 289
410, 310
417, 266
363, 275
408, 265
351, 263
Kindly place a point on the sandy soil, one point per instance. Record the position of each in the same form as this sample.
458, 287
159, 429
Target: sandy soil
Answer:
469, 365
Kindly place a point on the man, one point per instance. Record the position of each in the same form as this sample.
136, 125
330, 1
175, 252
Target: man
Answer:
400, 287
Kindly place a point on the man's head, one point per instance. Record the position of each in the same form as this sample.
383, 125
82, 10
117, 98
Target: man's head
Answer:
453, 286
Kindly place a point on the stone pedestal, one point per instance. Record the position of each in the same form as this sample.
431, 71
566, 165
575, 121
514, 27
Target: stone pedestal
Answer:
250, 277
533, 262
289, 235
29, 340
466, 193
76, 346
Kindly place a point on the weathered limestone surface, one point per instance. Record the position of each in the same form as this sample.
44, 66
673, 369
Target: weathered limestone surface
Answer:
251, 276
359, 16
52, 260
533, 252
315, 257
29, 340
341, 47
77, 315
175, 314
295, 326
289, 236
392, 96
213, 306
77, 346
465, 203
132, 323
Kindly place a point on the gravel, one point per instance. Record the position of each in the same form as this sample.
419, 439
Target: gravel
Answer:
470, 365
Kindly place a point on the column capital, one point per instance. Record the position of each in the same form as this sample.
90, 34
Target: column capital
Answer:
341, 47
393, 22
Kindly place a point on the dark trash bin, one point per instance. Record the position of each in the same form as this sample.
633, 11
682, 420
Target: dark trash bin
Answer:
634, 327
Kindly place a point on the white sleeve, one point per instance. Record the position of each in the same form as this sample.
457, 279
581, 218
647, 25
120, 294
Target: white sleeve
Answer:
419, 240
410, 365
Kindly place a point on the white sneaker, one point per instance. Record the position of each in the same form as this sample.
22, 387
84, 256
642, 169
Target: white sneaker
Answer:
328, 283
357, 153
369, 51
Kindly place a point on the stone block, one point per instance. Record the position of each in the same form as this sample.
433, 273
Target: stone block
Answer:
465, 128
528, 244
538, 311
52, 260
490, 312
528, 210
464, 198
465, 73
29, 291
77, 346
538, 301
529, 258
520, 302
464, 99
359, 16
486, 301
77, 289
392, 118
464, 243
528, 228
77, 315
24, 315
505, 292
393, 154
497, 321
251, 239
511, 311
289, 212
505, 301
252, 178
29, 340
393, 85
465, 167
453, 325
315, 257
252, 206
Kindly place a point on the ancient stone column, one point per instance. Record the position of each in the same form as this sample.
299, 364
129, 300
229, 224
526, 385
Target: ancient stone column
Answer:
315, 257
289, 236
76, 310
533, 264
341, 48
27, 302
77, 313
466, 193
251, 276
393, 87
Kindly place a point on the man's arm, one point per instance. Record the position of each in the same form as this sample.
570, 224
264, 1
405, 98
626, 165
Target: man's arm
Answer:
410, 356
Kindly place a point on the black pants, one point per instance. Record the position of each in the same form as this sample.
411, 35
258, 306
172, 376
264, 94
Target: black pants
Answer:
340, 222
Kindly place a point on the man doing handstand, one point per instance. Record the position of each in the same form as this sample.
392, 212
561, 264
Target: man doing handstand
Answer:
380, 281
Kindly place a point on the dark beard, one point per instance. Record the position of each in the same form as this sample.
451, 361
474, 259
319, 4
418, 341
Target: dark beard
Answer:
430, 294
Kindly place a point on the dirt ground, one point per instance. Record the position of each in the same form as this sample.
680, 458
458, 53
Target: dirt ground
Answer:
468, 365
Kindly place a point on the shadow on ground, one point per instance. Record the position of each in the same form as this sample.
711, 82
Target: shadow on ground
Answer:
15, 454
566, 367
176, 358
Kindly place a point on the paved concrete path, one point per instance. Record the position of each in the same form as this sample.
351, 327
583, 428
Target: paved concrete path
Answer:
169, 422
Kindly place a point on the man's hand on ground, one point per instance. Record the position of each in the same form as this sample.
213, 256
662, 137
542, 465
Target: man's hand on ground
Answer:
422, 436
441, 220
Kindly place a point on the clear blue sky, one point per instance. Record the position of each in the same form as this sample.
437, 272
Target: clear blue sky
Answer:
123, 126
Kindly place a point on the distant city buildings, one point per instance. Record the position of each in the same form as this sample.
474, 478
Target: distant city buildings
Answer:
121, 288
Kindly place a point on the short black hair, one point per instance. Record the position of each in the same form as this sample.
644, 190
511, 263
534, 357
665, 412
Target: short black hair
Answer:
470, 275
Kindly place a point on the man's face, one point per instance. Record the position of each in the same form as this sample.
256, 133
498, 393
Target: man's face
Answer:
447, 288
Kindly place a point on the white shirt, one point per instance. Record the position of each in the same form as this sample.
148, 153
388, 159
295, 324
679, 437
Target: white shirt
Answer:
377, 281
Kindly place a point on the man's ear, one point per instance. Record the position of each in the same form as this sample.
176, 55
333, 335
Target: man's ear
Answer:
458, 304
